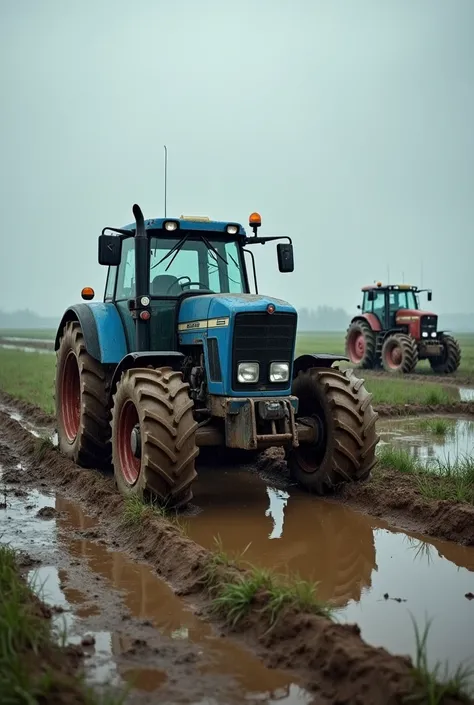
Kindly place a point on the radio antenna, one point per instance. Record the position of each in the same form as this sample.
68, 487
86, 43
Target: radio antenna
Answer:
166, 173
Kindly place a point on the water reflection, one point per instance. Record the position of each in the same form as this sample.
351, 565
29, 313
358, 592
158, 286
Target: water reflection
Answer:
427, 446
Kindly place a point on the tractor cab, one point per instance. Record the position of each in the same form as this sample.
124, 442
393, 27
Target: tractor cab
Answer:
384, 302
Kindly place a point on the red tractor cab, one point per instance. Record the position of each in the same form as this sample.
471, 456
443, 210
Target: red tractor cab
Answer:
392, 332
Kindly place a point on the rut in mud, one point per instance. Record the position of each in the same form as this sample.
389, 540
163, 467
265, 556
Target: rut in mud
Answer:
331, 660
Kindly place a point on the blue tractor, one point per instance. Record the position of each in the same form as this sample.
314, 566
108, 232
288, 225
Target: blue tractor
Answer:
180, 355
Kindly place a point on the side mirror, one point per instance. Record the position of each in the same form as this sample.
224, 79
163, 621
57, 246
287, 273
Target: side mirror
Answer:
371, 295
110, 250
285, 257
430, 296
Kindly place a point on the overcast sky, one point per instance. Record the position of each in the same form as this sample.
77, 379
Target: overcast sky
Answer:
349, 124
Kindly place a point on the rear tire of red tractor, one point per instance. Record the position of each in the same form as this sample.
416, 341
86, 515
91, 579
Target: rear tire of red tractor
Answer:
451, 359
360, 344
399, 354
81, 396
338, 402
154, 407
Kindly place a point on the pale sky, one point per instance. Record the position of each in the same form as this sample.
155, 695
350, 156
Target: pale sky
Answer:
348, 124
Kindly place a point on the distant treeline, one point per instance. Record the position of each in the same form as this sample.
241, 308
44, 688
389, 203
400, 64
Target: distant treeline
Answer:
323, 318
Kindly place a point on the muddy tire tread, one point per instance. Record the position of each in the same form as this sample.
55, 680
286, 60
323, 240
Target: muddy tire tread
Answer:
92, 448
453, 357
369, 359
168, 432
409, 352
353, 423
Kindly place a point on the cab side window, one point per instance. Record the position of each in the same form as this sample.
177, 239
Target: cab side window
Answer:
126, 272
110, 285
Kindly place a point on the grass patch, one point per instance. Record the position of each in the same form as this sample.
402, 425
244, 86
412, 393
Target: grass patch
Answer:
28, 376
435, 684
235, 595
437, 427
38, 333
398, 391
33, 668
445, 480
137, 510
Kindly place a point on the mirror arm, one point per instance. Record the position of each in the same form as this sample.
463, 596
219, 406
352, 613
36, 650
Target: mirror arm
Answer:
125, 233
263, 240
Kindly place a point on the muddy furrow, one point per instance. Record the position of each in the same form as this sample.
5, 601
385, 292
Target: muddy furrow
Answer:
460, 408
332, 659
445, 380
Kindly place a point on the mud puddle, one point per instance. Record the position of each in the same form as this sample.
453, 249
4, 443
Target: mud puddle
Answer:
132, 626
356, 559
466, 394
431, 440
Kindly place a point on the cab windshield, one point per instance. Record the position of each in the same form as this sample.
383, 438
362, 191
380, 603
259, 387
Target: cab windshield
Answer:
211, 266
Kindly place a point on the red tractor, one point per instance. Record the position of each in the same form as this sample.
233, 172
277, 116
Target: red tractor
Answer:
393, 333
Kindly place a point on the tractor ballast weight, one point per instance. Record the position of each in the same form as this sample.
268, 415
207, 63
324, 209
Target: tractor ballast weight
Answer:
393, 333
159, 369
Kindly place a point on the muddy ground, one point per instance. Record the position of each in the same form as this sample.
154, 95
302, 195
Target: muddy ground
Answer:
330, 661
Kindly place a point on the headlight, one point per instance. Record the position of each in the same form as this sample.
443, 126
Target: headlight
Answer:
424, 334
279, 372
170, 225
433, 335
232, 229
248, 372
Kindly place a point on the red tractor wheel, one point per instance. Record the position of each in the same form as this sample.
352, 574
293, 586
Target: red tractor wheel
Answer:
154, 435
81, 401
360, 344
451, 358
399, 353
338, 403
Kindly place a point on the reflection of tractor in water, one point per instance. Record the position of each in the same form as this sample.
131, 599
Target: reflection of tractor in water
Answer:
180, 355
394, 333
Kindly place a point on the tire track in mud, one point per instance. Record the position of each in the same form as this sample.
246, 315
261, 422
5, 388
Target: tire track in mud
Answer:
331, 659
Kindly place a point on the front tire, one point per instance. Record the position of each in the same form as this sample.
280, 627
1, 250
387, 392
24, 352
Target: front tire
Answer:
451, 359
338, 402
399, 354
81, 397
154, 406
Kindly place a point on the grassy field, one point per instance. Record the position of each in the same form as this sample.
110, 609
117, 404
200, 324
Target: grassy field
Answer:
30, 376
40, 333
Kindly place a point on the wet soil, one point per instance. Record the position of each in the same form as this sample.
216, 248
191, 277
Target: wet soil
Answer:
460, 408
329, 659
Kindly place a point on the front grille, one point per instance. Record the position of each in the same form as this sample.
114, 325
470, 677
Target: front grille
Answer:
264, 338
429, 324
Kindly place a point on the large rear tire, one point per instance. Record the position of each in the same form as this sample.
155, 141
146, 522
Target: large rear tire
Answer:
340, 406
360, 344
81, 397
154, 408
450, 360
399, 354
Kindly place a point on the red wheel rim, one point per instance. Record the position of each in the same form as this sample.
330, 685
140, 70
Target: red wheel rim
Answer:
129, 464
356, 346
71, 397
394, 356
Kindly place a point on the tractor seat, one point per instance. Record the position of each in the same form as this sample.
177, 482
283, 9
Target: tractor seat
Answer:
165, 285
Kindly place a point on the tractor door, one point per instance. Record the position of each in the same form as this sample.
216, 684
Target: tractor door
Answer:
374, 302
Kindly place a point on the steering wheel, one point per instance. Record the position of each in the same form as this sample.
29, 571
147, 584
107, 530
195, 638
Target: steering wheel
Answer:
189, 284
177, 282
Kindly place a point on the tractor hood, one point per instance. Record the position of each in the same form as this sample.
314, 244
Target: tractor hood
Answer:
198, 313
406, 315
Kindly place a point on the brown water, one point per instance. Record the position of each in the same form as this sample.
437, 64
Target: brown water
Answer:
144, 594
355, 558
425, 445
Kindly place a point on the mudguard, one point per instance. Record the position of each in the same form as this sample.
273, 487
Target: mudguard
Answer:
307, 361
102, 328
165, 358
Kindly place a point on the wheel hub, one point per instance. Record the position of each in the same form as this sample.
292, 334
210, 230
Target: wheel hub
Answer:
136, 442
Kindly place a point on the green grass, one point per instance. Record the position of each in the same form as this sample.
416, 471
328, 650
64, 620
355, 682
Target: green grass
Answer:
436, 479
397, 392
437, 427
40, 333
136, 510
334, 343
33, 668
434, 685
28, 376
235, 594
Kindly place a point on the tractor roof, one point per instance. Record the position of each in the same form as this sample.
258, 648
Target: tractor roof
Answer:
187, 223
391, 287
